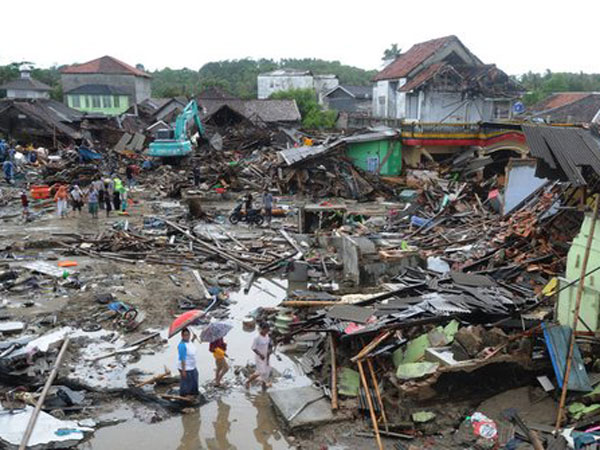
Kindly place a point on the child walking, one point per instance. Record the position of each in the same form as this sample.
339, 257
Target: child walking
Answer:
219, 348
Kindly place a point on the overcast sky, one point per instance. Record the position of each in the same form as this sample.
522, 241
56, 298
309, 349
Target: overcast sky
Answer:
515, 35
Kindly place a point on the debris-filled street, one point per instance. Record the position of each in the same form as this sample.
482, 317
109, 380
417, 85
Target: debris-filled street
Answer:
408, 264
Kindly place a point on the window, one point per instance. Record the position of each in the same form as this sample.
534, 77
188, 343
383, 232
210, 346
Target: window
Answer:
116, 101
107, 101
372, 164
75, 101
96, 101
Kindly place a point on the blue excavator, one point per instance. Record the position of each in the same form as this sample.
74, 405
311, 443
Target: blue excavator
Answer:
177, 142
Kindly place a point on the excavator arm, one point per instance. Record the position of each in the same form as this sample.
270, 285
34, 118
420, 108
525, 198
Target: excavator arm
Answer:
181, 144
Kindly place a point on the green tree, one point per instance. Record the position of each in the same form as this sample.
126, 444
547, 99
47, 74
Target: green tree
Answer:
391, 53
313, 116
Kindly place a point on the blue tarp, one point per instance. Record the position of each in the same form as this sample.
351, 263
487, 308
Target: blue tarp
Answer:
88, 155
557, 340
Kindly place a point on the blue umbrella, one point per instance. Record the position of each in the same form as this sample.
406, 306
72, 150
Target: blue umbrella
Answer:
214, 331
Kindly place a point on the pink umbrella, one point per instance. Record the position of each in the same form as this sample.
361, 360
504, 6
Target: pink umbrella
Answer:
183, 320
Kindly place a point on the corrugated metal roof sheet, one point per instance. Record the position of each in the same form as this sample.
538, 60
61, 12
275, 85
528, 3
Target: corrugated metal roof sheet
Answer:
566, 149
294, 155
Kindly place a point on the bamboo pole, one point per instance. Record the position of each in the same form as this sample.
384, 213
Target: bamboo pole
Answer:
377, 393
334, 393
40, 402
370, 346
370, 403
580, 286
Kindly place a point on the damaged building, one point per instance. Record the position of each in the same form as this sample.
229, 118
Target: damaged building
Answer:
442, 81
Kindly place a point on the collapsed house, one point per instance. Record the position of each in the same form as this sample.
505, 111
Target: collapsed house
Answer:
42, 122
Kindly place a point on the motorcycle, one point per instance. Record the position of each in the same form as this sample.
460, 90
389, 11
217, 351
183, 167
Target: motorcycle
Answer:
252, 217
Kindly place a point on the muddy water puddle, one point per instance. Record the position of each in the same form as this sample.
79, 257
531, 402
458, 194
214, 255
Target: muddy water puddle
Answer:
235, 418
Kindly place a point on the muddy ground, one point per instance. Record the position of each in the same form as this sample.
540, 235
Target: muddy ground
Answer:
233, 417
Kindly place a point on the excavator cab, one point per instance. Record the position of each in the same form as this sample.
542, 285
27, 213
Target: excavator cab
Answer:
176, 142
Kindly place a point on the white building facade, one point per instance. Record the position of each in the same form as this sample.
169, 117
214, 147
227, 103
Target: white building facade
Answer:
286, 79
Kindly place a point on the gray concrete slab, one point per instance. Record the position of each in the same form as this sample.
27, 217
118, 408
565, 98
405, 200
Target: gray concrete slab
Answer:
288, 401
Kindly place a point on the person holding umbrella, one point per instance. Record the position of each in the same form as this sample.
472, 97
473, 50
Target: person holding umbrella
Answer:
214, 333
188, 385
218, 349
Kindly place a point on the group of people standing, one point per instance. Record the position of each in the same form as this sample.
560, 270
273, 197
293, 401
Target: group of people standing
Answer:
107, 194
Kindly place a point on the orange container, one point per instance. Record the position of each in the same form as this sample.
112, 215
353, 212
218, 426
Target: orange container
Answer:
40, 192
67, 264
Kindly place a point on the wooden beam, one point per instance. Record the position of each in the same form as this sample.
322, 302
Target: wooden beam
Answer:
370, 403
580, 287
40, 402
377, 393
203, 291
370, 346
334, 392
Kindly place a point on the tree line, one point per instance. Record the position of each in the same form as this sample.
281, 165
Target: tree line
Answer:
238, 77
540, 86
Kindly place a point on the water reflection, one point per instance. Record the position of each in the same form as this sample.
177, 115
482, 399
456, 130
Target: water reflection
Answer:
222, 425
265, 425
190, 438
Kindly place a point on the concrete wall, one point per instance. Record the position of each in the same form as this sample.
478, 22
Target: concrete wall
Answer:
143, 89
267, 85
138, 88
380, 98
452, 108
387, 101
25, 93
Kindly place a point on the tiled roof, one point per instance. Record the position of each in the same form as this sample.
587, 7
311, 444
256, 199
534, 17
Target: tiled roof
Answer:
28, 84
49, 114
423, 76
568, 107
408, 61
97, 89
257, 110
360, 92
558, 100
105, 64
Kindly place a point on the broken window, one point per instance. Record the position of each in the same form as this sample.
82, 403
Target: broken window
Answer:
107, 101
75, 101
501, 110
116, 101
96, 101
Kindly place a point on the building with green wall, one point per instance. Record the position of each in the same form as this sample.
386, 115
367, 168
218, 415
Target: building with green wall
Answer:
376, 152
98, 98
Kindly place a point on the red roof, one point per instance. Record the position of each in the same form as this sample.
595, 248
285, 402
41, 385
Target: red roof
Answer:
407, 62
423, 76
559, 99
105, 64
